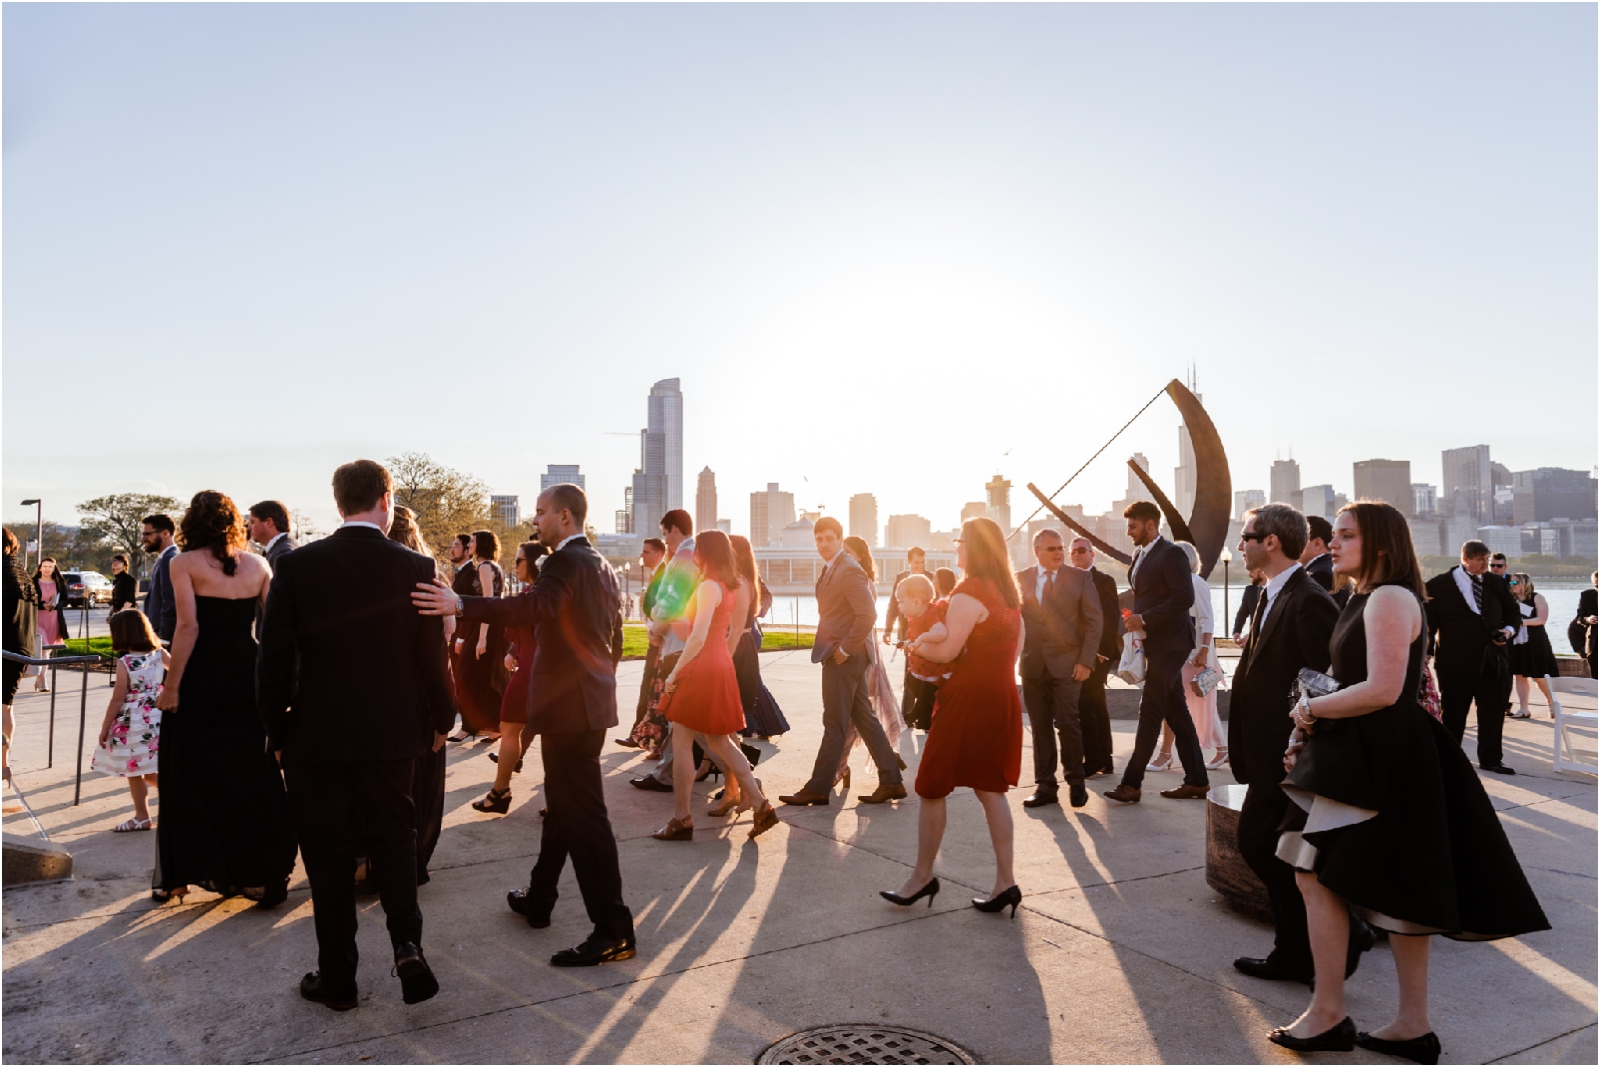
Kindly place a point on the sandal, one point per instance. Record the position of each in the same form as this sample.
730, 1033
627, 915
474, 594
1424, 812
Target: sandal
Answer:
496, 802
1523, 714
456, 739
766, 819
727, 805
1220, 760
130, 825
1162, 764
161, 896
676, 830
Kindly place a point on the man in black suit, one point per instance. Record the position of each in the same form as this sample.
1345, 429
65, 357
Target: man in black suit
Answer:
269, 528
1163, 593
1472, 619
575, 612
341, 656
1289, 631
1580, 631
1315, 557
1061, 623
1092, 711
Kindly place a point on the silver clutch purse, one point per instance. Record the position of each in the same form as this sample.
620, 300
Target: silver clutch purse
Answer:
1309, 683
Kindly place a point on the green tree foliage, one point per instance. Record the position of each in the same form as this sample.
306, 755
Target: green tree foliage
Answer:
112, 524
447, 501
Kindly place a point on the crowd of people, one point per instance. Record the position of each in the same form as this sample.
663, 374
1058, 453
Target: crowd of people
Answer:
1361, 813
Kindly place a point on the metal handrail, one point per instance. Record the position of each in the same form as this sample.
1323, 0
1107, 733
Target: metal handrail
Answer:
83, 703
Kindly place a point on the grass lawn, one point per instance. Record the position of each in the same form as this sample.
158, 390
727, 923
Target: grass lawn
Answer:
99, 645
635, 643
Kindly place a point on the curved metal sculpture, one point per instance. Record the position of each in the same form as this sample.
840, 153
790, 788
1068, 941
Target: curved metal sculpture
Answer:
1207, 525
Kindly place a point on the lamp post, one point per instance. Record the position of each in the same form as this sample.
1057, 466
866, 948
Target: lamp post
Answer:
38, 530
1227, 558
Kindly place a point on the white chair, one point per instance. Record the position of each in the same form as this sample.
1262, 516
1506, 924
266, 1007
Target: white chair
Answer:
1566, 757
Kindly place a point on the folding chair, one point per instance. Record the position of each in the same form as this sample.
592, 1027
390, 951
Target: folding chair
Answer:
1566, 757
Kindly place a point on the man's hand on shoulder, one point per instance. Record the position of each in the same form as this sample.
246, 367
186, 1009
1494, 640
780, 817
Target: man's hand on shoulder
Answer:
435, 598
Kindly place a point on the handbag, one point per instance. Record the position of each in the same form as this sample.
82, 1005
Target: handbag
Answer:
1131, 667
1204, 682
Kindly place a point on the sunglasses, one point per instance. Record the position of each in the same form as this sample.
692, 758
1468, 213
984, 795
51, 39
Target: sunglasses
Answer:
1252, 537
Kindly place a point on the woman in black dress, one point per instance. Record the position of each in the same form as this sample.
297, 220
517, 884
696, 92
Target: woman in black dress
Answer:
1389, 818
480, 647
22, 607
762, 716
1532, 657
124, 588
224, 822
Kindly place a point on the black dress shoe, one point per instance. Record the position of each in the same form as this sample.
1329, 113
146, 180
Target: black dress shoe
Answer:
595, 951
1497, 768
535, 909
339, 997
1259, 968
1424, 1049
1077, 794
274, 896
650, 783
1040, 798
1339, 1038
417, 982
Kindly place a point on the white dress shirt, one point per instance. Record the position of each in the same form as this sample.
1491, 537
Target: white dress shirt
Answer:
1274, 587
1464, 583
565, 541
342, 525
1039, 583
1138, 560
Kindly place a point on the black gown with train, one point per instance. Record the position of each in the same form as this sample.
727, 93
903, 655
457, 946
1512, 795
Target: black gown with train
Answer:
224, 817
1392, 816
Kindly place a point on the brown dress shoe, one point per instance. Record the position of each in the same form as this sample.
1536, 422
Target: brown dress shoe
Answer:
1125, 793
884, 793
1186, 792
804, 796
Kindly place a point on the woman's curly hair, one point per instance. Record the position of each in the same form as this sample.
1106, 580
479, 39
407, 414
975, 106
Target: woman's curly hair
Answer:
213, 521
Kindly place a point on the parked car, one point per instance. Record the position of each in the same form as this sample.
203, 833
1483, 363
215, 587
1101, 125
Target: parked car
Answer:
86, 587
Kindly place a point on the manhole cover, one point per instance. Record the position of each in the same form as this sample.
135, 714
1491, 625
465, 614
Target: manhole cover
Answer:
864, 1044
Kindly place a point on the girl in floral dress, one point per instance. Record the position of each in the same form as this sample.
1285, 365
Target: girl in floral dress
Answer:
131, 734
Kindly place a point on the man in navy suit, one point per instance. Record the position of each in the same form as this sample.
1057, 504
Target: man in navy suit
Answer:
575, 612
1163, 593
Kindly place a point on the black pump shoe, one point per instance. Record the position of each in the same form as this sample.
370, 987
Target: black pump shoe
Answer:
930, 891
1012, 897
1339, 1038
1424, 1049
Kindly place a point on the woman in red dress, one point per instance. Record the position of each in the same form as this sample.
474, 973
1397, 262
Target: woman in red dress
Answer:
701, 696
976, 737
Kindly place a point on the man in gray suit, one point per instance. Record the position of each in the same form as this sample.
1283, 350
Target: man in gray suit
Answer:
269, 528
157, 536
846, 611
1062, 621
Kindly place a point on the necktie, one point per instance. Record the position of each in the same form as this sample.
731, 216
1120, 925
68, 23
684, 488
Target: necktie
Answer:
1477, 591
1049, 582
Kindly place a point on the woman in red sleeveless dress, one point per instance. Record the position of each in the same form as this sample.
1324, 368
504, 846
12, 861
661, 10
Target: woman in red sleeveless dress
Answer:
701, 696
976, 736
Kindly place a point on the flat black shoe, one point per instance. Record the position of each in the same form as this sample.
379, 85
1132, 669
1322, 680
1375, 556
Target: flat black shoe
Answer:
595, 951
494, 757
274, 896
417, 982
751, 753
1011, 897
1039, 800
930, 890
1265, 968
1078, 794
650, 783
340, 998
1424, 1049
1339, 1038
535, 909
1497, 768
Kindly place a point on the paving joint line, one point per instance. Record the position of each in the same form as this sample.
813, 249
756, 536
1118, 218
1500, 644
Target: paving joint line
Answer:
1536, 1044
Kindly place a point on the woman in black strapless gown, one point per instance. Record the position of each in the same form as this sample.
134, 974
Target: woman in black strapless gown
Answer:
224, 817
1389, 817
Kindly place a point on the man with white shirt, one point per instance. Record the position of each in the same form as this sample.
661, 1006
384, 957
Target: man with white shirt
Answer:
1472, 619
269, 528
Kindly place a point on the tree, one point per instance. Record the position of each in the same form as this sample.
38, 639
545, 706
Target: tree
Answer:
447, 501
115, 522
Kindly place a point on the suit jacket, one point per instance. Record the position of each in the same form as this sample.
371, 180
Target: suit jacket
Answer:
575, 613
1163, 593
893, 617
158, 603
1247, 606
1111, 613
847, 608
1462, 640
280, 548
1064, 629
22, 610
1321, 570
1580, 635
344, 654
1297, 633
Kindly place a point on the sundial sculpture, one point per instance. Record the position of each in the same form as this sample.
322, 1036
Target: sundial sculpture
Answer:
1206, 528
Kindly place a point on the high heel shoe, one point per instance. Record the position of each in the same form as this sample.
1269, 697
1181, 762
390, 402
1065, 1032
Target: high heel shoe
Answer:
1424, 1049
494, 757
751, 753
724, 807
1219, 760
766, 819
844, 780
1012, 896
1160, 764
1338, 1038
495, 802
676, 830
930, 890
711, 771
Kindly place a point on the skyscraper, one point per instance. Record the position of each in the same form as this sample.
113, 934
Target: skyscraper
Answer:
1285, 483
998, 490
560, 474
705, 502
908, 531
770, 511
1467, 470
1552, 493
1388, 480
506, 510
1187, 474
658, 482
1246, 499
864, 518
1318, 500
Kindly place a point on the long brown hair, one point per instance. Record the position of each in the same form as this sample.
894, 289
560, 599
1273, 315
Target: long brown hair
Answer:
213, 521
713, 554
744, 558
1387, 555
987, 559
403, 530
859, 548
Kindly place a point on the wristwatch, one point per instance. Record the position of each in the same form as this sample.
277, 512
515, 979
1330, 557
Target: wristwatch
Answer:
461, 605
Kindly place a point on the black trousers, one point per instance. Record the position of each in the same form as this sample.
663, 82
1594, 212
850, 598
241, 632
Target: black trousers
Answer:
1259, 818
1162, 701
336, 807
1095, 720
1458, 692
427, 794
916, 703
1052, 705
578, 826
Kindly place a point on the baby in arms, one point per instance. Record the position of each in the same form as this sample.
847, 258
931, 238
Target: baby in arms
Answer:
924, 620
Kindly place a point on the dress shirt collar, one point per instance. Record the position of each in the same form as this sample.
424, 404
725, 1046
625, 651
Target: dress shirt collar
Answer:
268, 546
1464, 583
1275, 586
565, 541
1040, 580
368, 525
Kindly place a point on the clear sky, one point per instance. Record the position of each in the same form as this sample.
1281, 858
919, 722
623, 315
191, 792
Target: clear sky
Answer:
886, 248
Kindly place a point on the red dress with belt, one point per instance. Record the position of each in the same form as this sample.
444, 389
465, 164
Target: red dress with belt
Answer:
976, 737
706, 695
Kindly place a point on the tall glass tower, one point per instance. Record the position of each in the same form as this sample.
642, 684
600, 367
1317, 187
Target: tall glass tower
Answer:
658, 482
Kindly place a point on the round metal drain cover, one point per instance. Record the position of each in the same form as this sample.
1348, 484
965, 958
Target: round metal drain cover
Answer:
864, 1044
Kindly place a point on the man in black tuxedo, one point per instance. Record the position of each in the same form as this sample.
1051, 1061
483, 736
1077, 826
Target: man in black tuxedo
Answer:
1472, 619
1163, 593
1061, 622
342, 657
1580, 631
1315, 557
1289, 631
575, 612
1092, 711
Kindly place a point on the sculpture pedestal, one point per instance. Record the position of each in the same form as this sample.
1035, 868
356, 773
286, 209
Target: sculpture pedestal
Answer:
1226, 870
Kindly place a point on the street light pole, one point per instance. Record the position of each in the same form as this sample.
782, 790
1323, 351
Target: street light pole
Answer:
1227, 558
38, 529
